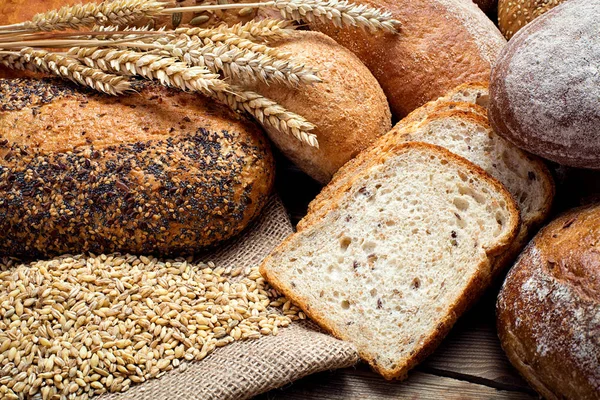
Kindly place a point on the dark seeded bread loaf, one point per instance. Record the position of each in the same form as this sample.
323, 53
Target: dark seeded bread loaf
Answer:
156, 172
549, 308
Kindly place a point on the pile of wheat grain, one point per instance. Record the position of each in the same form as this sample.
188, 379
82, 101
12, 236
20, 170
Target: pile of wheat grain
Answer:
82, 326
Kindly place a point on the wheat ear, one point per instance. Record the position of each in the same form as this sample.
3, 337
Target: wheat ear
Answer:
240, 64
167, 70
65, 67
209, 36
265, 30
340, 12
117, 12
171, 72
269, 113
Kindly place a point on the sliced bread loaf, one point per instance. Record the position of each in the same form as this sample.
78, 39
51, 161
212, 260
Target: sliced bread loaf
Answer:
404, 248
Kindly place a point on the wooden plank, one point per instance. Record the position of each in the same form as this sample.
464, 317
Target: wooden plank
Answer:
362, 384
472, 351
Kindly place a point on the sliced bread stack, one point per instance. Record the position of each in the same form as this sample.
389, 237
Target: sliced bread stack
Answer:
409, 233
406, 245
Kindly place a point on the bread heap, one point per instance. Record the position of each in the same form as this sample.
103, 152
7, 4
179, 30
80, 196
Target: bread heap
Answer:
161, 171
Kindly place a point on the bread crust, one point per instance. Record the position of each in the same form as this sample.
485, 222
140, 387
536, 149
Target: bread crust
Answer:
548, 311
348, 107
160, 171
440, 44
551, 112
471, 292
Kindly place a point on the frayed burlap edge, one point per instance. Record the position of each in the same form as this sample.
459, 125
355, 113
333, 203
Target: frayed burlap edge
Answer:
245, 369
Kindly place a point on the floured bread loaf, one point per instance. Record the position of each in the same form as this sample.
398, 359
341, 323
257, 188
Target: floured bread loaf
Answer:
404, 248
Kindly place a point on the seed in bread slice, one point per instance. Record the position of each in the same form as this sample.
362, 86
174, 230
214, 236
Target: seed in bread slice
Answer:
404, 248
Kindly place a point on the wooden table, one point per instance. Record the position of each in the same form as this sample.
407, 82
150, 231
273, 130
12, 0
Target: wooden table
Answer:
469, 364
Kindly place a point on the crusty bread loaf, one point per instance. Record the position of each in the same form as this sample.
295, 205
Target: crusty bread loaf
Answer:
440, 44
515, 14
403, 250
544, 96
549, 308
348, 108
159, 171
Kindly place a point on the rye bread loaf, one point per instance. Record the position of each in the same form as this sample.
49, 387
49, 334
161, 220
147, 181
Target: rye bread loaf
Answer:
348, 107
545, 88
404, 249
440, 44
549, 308
156, 172
515, 14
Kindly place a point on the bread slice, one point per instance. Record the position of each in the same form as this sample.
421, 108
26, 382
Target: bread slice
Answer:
463, 129
404, 248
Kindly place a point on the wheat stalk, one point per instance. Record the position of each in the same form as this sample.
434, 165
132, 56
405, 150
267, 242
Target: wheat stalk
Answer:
340, 12
265, 30
117, 12
172, 72
65, 67
209, 36
239, 63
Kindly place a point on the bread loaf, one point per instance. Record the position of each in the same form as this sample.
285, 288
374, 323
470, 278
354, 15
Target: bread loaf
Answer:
545, 92
403, 250
549, 308
515, 14
156, 172
440, 44
348, 107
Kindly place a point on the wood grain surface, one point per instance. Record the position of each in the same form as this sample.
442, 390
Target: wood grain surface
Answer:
470, 363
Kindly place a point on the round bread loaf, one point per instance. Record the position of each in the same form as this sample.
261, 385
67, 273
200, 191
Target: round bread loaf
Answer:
545, 88
161, 171
515, 14
440, 45
348, 107
549, 308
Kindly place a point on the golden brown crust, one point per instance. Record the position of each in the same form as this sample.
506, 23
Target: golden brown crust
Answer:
349, 108
472, 291
515, 14
440, 44
159, 171
549, 308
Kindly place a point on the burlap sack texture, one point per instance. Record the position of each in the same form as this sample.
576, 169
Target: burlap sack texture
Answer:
245, 369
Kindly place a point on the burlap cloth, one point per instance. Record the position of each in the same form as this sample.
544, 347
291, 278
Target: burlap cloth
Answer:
244, 369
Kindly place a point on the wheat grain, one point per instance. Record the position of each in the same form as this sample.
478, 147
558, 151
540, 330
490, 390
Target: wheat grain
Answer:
83, 326
66, 68
117, 12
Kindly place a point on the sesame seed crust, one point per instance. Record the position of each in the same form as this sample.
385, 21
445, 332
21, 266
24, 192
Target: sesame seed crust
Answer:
170, 180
